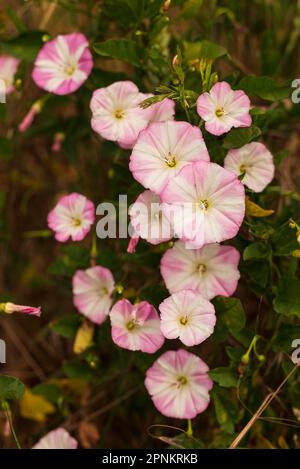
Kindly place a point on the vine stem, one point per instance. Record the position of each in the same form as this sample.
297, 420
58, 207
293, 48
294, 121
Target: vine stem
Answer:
8, 415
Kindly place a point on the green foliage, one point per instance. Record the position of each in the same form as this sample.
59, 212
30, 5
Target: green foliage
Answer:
10, 388
122, 49
236, 138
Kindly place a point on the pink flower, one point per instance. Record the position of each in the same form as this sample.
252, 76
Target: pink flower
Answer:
179, 385
116, 113
223, 108
253, 163
57, 439
92, 292
136, 327
162, 150
63, 64
8, 69
72, 217
211, 270
10, 308
163, 111
148, 220
187, 315
205, 204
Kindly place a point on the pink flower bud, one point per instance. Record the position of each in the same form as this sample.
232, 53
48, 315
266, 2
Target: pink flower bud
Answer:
10, 308
28, 119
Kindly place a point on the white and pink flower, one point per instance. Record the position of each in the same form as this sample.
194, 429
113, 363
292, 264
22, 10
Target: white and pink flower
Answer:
163, 110
57, 439
211, 270
188, 316
148, 220
223, 108
136, 327
92, 292
117, 115
253, 164
72, 217
179, 385
162, 150
63, 64
8, 68
205, 204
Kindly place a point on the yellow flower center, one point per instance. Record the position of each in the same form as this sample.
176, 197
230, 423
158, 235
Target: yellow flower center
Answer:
203, 204
181, 380
76, 221
220, 112
131, 325
119, 113
183, 320
170, 160
69, 70
243, 169
201, 268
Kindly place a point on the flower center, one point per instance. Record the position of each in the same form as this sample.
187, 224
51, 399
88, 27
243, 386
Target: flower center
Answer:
76, 221
119, 113
201, 268
69, 69
243, 169
103, 291
183, 320
131, 324
170, 160
181, 381
220, 112
203, 204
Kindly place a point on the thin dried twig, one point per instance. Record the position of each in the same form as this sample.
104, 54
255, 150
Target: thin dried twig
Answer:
269, 398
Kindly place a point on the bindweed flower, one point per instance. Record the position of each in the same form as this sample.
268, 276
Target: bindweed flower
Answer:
179, 385
136, 327
205, 203
30, 116
163, 111
148, 220
57, 439
92, 292
116, 113
253, 163
10, 308
223, 108
162, 150
211, 270
63, 64
72, 217
188, 316
8, 68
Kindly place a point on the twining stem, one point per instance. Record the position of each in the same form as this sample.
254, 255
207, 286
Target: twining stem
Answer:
6, 409
189, 431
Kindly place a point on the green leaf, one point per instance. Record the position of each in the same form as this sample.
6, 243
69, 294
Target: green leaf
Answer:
67, 326
122, 49
287, 300
284, 240
224, 376
227, 412
231, 313
78, 370
264, 87
257, 251
6, 148
50, 391
203, 50
10, 388
25, 46
237, 138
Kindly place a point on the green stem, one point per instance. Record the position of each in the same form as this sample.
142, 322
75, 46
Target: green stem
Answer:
189, 431
6, 409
